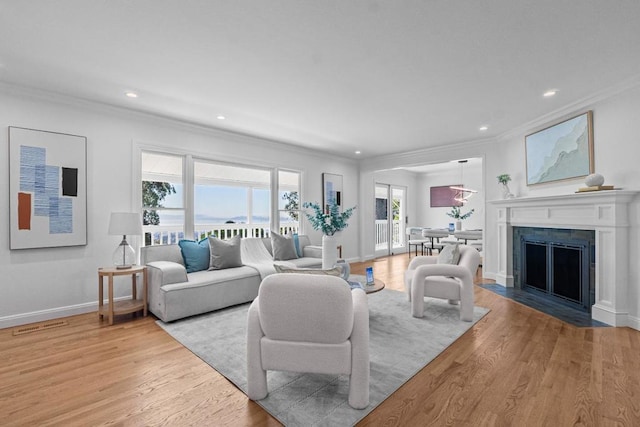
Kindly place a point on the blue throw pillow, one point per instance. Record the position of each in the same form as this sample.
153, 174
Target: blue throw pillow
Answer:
296, 243
195, 254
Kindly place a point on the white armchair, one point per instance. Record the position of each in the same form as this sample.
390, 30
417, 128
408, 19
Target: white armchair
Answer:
309, 323
425, 277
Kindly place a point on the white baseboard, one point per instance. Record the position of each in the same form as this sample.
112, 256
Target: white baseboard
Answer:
52, 313
488, 275
606, 315
633, 322
369, 257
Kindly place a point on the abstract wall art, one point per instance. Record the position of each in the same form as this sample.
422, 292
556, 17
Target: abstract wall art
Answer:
331, 190
561, 151
47, 189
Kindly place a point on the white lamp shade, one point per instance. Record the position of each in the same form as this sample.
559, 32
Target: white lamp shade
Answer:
125, 223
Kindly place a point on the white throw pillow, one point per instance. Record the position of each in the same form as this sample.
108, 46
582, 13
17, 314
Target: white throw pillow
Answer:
450, 254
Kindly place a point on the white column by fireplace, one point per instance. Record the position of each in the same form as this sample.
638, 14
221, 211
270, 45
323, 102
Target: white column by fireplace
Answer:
605, 212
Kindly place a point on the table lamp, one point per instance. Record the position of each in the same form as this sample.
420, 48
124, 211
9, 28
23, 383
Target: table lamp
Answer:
123, 223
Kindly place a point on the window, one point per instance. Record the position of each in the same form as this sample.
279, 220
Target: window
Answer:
187, 198
289, 201
162, 198
228, 195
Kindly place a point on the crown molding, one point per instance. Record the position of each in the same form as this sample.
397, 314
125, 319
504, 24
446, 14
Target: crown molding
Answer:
192, 126
572, 108
473, 148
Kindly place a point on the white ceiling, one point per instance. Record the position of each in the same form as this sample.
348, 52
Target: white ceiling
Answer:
377, 76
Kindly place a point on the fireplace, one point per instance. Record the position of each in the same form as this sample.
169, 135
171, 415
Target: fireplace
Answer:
605, 213
557, 264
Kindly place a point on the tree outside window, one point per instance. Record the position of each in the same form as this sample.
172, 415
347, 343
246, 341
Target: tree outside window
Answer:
292, 205
153, 193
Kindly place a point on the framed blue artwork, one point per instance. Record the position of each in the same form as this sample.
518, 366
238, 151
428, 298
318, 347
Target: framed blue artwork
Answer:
561, 151
331, 190
47, 189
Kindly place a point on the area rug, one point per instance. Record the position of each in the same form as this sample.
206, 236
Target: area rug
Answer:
400, 345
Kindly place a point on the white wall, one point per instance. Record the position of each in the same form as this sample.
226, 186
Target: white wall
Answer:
616, 149
40, 284
616, 152
370, 167
437, 217
405, 179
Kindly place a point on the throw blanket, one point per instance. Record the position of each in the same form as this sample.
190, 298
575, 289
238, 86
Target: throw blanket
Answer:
255, 254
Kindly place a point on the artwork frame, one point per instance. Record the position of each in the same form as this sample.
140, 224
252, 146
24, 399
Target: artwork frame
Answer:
442, 196
332, 190
547, 158
47, 189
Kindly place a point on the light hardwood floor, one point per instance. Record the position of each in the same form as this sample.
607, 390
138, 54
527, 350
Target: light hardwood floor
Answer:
516, 367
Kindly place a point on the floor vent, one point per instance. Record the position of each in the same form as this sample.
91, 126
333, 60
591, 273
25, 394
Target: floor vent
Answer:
39, 327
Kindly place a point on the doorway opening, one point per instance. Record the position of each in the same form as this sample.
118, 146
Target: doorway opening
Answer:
390, 211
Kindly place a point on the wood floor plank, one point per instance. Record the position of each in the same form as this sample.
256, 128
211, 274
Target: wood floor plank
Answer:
515, 367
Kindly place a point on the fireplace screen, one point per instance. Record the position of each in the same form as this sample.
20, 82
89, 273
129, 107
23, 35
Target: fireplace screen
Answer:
557, 269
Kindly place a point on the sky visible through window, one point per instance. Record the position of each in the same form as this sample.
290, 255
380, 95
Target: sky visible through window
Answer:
219, 204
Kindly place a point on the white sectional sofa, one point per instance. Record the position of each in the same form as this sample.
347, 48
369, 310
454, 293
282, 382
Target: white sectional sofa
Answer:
174, 294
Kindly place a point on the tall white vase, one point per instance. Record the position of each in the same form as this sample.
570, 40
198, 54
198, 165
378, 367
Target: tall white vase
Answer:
506, 193
329, 251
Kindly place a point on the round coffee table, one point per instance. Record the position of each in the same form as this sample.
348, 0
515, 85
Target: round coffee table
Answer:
377, 285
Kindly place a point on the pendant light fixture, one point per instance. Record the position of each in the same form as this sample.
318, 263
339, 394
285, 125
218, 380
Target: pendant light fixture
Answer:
463, 193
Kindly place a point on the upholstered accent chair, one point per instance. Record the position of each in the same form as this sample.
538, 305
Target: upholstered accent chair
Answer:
309, 323
414, 238
425, 277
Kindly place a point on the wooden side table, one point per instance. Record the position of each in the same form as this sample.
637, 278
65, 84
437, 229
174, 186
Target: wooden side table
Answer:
377, 285
122, 307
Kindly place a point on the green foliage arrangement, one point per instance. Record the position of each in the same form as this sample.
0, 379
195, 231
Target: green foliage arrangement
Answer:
455, 213
329, 223
504, 178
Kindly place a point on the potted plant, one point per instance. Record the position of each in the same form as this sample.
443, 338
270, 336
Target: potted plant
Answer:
459, 216
329, 223
504, 180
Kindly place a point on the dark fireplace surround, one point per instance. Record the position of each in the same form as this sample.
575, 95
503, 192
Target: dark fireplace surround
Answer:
557, 264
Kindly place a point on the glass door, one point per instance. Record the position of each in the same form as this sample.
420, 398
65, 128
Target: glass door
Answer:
390, 211
398, 219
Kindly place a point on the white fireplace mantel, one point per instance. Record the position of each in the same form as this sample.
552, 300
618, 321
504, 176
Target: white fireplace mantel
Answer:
605, 212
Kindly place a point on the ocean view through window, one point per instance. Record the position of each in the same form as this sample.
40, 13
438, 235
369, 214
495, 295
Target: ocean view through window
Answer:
187, 198
231, 194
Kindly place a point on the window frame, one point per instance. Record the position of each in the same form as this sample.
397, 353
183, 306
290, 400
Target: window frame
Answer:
299, 186
188, 162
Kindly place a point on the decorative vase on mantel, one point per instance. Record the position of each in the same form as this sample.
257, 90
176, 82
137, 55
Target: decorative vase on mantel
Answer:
504, 180
329, 251
458, 225
506, 193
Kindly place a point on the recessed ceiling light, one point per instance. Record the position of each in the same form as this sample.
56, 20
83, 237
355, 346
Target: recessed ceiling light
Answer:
131, 94
484, 128
358, 152
220, 117
549, 93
